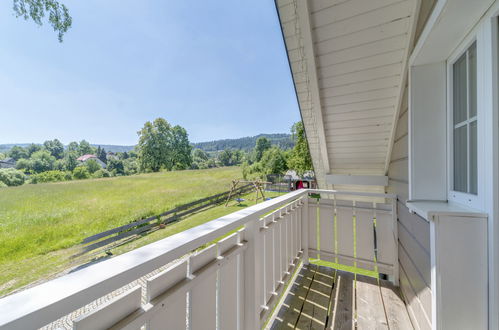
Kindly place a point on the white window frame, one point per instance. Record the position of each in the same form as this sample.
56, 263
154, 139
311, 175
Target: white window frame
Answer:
471, 200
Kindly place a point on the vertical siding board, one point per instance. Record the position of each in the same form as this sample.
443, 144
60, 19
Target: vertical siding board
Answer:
312, 227
283, 263
364, 228
384, 237
203, 296
228, 286
269, 259
174, 313
344, 226
326, 232
113, 312
277, 250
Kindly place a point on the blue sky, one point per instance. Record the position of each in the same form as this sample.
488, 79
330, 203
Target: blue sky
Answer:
217, 68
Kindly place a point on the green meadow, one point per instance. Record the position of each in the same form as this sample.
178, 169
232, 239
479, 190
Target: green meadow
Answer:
40, 223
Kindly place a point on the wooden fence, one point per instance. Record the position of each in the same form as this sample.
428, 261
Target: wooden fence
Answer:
130, 231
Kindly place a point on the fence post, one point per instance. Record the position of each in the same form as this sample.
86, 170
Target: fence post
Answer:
304, 229
252, 271
396, 243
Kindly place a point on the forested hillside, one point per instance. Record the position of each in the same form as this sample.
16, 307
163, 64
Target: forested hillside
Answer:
283, 141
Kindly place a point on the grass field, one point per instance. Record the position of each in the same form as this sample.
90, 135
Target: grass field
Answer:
38, 222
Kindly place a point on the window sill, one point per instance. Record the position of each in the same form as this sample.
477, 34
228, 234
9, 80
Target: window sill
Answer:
430, 210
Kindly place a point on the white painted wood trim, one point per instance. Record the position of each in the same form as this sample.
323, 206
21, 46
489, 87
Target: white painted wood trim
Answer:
364, 180
403, 81
308, 44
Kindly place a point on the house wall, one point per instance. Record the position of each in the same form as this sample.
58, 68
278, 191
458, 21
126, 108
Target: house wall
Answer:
413, 231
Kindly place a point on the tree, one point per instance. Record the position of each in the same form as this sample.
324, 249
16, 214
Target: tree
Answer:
55, 147
274, 161
299, 159
116, 167
85, 148
42, 161
18, 152
58, 14
262, 144
73, 147
200, 154
229, 157
92, 166
101, 154
225, 157
163, 146
181, 149
32, 148
69, 160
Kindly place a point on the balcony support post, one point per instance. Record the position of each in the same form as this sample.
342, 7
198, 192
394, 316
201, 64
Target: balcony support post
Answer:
304, 229
396, 243
252, 280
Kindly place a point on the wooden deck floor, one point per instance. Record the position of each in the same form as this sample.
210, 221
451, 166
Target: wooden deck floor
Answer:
324, 298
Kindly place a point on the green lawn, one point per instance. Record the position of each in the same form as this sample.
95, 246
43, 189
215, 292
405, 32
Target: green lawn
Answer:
39, 221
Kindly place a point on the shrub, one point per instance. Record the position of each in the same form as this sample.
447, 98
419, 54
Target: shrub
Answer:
92, 166
50, 176
2, 185
12, 177
81, 173
102, 173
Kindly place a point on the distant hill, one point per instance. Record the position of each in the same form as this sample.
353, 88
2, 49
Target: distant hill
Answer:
107, 147
284, 141
114, 148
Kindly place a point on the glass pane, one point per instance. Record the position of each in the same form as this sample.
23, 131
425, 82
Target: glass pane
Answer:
473, 158
460, 92
472, 78
461, 159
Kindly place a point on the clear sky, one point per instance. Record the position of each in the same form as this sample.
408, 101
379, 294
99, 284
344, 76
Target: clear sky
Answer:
217, 68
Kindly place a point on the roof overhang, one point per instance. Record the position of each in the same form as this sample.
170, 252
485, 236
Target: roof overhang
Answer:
349, 60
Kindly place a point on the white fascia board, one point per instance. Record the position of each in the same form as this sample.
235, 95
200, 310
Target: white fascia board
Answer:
308, 45
364, 180
448, 24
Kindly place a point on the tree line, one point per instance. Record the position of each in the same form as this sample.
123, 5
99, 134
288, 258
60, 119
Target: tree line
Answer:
161, 147
283, 141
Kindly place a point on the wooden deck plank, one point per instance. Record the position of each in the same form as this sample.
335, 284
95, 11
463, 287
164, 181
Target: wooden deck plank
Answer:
290, 310
370, 310
322, 297
342, 309
315, 309
396, 311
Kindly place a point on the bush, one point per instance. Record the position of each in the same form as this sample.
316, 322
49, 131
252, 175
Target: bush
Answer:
102, 173
81, 173
50, 176
92, 166
2, 185
12, 177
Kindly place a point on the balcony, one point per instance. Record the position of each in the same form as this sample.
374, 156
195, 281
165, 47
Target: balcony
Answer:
251, 269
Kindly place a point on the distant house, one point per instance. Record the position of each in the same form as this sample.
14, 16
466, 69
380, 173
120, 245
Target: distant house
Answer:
307, 180
8, 163
85, 158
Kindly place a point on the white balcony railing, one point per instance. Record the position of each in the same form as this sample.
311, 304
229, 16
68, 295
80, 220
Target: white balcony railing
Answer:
232, 284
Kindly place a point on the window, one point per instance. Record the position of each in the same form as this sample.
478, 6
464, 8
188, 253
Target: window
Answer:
464, 113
